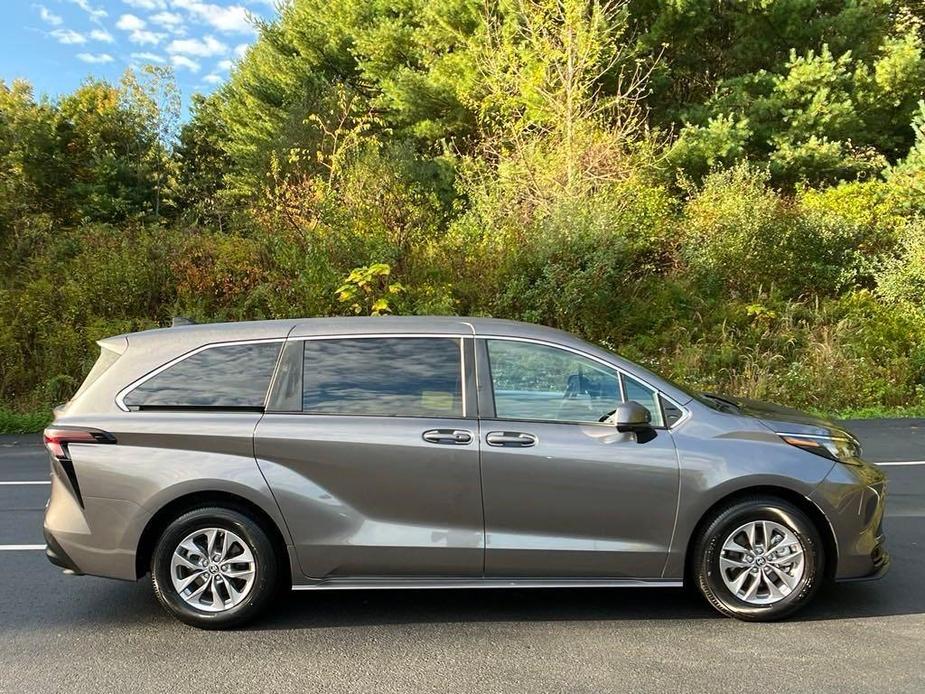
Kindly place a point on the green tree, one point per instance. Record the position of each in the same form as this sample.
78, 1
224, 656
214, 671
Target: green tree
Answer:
152, 95
201, 161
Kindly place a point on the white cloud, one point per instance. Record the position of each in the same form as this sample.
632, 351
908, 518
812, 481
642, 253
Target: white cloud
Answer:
203, 48
225, 65
230, 19
146, 57
144, 37
48, 16
137, 32
68, 37
181, 61
212, 78
240, 50
129, 22
96, 13
170, 20
101, 35
95, 58
147, 4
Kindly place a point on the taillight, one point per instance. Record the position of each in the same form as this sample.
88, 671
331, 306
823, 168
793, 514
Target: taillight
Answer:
57, 438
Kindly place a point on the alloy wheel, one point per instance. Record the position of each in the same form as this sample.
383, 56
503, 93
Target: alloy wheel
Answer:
213, 569
762, 562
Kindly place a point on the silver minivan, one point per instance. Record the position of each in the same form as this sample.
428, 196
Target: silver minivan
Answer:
229, 460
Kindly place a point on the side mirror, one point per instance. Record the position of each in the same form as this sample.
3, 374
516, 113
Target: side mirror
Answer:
631, 416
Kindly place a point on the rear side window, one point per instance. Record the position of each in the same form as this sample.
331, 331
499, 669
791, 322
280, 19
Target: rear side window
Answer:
230, 376
390, 377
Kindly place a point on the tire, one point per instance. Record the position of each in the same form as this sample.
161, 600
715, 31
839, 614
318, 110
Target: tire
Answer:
235, 590
771, 574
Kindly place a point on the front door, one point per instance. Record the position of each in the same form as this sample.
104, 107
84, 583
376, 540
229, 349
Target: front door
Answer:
567, 495
377, 474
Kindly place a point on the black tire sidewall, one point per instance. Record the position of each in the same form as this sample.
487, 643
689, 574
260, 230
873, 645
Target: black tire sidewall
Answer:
246, 528
709, 578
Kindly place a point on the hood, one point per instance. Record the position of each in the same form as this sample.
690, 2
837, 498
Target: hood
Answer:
782, 419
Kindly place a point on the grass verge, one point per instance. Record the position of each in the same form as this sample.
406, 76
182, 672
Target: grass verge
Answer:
23, 422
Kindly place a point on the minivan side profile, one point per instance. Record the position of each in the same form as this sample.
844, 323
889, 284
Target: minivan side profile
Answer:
227, 460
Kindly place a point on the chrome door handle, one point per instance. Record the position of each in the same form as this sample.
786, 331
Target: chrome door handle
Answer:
512, 439
448, 436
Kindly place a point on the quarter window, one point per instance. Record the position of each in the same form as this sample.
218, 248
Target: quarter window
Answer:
538, 382
389, 377
645, 396
230, 376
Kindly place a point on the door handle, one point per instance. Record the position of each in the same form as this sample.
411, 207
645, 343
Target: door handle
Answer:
512, 439
448, 436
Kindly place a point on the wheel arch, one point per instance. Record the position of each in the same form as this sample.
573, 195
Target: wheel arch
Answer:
812, 511
187, 502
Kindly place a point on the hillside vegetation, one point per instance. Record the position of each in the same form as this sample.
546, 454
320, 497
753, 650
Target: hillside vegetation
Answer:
731, 193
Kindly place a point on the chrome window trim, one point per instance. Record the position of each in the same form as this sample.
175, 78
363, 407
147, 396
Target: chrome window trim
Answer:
686, 413
557, 345
120, 396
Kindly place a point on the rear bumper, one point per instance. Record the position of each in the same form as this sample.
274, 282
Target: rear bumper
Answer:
89, 535
57, 556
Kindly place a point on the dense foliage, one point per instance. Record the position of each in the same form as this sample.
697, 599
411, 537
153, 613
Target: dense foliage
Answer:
730, 193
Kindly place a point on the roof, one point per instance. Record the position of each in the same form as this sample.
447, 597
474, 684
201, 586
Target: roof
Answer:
204, 333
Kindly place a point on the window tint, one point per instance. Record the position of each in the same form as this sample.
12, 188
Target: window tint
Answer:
393, 377
533, 381
233, 376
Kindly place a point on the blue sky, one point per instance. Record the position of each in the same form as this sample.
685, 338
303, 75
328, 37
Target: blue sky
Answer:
56, 44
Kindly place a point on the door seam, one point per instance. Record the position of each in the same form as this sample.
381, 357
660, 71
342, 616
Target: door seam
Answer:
677, 508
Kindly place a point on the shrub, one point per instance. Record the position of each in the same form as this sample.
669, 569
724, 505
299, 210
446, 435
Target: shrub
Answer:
739, 234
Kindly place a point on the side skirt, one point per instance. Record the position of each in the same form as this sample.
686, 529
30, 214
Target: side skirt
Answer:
421, 583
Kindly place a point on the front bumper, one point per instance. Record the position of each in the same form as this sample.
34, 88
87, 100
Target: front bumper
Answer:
853, 498
881, 561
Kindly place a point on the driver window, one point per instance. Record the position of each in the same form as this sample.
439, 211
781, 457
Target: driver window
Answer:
534, 381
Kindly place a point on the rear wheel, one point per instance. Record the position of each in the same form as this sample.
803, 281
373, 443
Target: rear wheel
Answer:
214, 568
759, 559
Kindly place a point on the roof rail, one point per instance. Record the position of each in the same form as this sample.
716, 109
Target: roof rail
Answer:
181, 320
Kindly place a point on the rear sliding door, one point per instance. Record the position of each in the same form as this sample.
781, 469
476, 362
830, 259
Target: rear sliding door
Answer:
371, 449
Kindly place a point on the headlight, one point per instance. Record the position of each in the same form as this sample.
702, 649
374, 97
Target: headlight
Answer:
844, 449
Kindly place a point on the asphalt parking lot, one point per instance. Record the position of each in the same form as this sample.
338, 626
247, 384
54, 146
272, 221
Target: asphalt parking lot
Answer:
81, 634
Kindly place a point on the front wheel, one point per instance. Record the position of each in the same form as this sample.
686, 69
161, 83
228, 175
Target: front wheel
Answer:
214, 568
759, 560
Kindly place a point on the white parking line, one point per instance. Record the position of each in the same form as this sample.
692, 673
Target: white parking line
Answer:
20, 548
898, 463
10, 484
